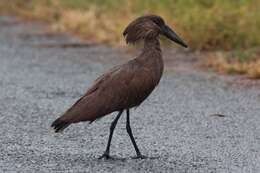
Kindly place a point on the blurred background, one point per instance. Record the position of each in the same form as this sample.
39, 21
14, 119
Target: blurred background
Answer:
225, 32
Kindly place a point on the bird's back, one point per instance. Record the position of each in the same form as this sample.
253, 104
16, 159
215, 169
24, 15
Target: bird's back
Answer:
122, 87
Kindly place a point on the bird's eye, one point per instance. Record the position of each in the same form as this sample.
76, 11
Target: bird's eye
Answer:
158, 22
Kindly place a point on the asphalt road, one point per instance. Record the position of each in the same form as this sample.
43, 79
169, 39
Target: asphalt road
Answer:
39, 79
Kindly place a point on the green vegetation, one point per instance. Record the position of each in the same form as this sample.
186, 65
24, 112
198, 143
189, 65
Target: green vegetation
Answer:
216, 24
245, 62
213, 25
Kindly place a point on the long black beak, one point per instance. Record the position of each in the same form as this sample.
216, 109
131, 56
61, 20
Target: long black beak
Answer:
169, 33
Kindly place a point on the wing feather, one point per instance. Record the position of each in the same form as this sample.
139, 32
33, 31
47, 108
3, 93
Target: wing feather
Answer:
122, 87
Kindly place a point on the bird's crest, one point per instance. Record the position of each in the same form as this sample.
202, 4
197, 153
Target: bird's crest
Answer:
143, 27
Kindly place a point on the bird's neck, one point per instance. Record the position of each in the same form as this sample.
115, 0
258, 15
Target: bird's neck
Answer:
151, 54
152, 45
151, 50
151, 57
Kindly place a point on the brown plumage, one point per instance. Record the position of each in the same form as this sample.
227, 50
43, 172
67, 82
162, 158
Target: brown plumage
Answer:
127, 85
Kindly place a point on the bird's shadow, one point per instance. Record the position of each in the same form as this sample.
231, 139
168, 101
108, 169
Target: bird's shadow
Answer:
150, 163
123, 159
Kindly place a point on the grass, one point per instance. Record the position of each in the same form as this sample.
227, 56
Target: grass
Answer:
245, 62
211, 25
217, 25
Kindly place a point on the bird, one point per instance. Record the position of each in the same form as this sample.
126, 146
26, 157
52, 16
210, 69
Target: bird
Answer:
124, 86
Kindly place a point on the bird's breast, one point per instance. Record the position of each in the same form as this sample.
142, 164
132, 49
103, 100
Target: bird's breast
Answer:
147, 79
156, 67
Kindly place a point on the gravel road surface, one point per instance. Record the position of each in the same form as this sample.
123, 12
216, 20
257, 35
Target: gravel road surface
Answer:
40, 78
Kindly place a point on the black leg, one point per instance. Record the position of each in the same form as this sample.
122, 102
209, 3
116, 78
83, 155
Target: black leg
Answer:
129, 131
112, 127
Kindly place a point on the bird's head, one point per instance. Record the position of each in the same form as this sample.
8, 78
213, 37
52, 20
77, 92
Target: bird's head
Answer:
149, 27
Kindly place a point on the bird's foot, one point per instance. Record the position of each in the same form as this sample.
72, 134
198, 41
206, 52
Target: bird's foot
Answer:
140, 156
106, 156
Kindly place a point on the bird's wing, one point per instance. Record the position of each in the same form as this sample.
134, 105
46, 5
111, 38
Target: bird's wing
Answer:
122, 87
101, 79
97, 84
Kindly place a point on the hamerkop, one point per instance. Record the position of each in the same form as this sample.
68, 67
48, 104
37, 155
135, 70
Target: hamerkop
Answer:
125, 86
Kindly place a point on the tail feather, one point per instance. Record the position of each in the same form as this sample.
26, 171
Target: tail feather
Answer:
59, 125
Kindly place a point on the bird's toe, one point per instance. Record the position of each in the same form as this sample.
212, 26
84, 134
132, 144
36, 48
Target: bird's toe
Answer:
140, 156
106, 156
